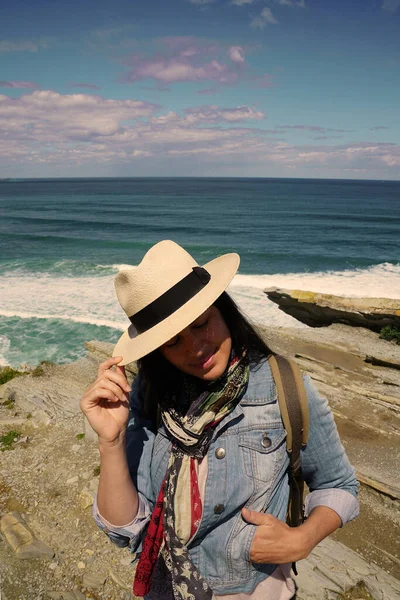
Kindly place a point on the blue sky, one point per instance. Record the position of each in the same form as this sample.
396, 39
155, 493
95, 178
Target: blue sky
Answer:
251, 88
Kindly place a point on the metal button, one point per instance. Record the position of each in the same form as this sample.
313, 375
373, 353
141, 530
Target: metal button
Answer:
219, 508
220, 453
266, 441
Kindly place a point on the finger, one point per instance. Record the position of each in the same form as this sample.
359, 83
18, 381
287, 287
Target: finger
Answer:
118, 378
93, 399
109, 395
107, 364
121, 369
114, 388
252, 516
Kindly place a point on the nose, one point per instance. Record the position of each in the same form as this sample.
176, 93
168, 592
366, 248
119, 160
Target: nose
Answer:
193, 345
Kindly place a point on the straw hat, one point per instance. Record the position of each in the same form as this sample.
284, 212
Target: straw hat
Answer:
166, 292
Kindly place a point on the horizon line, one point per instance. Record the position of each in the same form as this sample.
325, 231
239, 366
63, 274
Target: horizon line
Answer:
19, 179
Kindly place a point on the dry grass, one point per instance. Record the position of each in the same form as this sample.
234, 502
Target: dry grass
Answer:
358, 592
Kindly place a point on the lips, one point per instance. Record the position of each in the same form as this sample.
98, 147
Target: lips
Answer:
206, 362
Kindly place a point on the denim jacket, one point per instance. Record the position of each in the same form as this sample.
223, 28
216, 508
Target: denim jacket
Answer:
247, 466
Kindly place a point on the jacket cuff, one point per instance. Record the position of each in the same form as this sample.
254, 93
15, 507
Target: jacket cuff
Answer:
129, 534
341, 501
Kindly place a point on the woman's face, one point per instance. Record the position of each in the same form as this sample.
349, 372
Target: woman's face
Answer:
203, 348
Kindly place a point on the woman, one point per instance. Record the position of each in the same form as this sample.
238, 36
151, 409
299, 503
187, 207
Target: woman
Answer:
194, 468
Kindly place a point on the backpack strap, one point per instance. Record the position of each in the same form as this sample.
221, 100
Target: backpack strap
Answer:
293, 404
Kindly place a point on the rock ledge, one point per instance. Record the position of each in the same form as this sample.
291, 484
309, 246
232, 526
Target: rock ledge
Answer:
319, 310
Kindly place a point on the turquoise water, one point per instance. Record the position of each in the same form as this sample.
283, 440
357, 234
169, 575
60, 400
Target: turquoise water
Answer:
62, 242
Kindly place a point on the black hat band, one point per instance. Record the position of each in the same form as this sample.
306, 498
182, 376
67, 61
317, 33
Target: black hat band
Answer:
171, 300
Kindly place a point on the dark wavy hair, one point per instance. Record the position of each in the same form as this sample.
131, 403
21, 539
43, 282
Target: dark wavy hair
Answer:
162, 379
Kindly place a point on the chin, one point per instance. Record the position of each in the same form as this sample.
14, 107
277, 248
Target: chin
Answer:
211, 375
215, 372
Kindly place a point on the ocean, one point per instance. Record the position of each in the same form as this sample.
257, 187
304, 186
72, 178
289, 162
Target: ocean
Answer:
63, 240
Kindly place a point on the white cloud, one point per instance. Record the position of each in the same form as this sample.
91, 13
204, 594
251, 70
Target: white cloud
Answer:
137, 153
352, 157
22, 46
299, 3
242, 2
200, 115
182, 68
188, 58
46, 127
207, 114
202, 2
391, 161
390, 5
19, 84
265, 18
50, 116
58, 133
236, 54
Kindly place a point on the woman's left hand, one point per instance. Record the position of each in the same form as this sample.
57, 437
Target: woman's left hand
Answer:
274, 541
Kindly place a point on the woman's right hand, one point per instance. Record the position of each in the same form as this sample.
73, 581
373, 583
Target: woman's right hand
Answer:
106, 402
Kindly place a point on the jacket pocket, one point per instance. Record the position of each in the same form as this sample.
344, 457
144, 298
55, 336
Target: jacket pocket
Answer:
263, 450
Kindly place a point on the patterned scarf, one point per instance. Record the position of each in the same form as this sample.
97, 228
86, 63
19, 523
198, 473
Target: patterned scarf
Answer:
177, 513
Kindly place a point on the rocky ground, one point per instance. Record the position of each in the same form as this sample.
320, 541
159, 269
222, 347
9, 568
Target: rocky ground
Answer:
50, 472
365, 399
49, 477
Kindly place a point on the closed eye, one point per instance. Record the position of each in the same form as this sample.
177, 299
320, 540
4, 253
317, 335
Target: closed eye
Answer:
200, 325
172, 342
175, 341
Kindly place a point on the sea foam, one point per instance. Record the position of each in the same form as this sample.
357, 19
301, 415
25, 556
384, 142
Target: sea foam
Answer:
4, 348
92, 299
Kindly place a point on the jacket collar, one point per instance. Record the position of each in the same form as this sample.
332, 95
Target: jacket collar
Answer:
260, 390
261, 386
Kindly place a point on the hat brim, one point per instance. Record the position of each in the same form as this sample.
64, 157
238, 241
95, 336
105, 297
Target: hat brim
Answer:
132, 346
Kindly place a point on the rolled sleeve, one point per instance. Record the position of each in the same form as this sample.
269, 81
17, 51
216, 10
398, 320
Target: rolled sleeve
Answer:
326, 469
129, 534
342, 502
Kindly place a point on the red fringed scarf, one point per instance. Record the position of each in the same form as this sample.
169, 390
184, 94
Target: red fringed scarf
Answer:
155, 534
